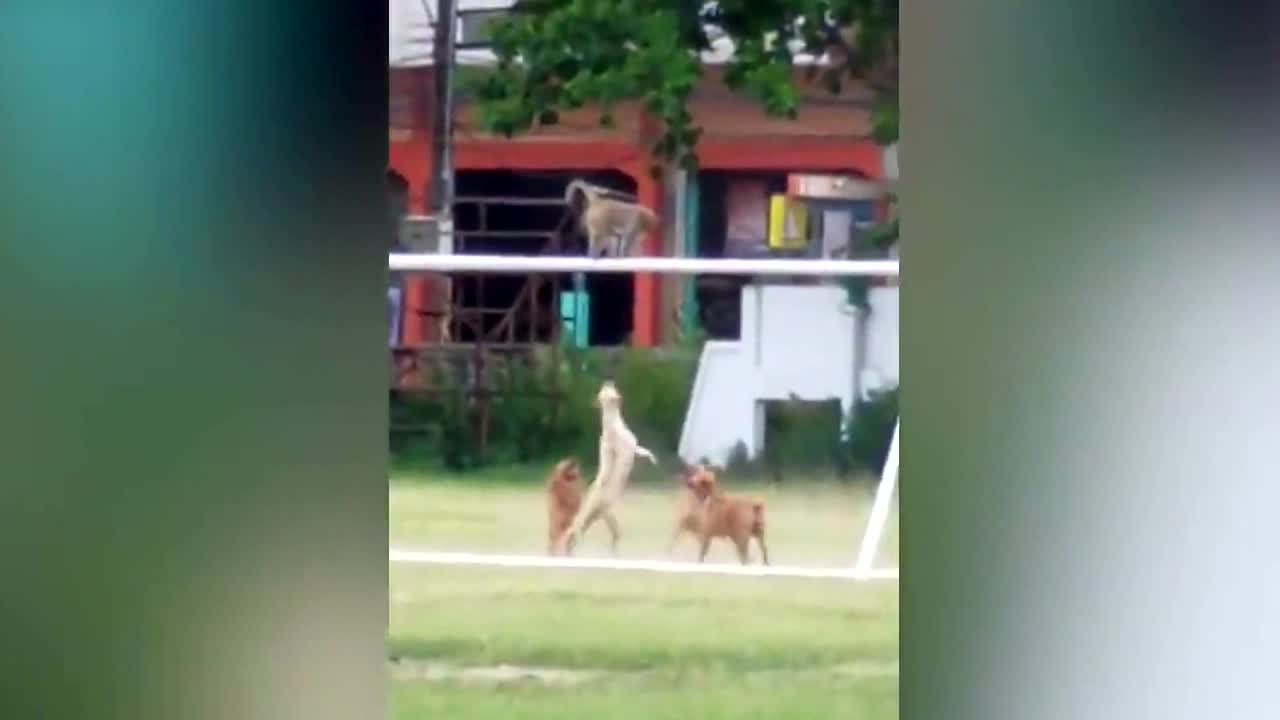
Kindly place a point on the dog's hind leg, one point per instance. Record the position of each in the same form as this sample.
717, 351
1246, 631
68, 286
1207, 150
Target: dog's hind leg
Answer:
764, 551
744, 556
569, 538
757, 530
619, 475
615, 532
564, 543
706, 545
590, 519
589, 508
579, 529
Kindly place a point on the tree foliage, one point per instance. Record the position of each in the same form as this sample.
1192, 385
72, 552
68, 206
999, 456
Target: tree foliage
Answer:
558, 55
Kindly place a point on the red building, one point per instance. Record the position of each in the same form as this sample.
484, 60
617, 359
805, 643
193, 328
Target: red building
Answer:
742, 153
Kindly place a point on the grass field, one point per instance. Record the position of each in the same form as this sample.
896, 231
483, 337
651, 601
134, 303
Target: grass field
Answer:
512, 644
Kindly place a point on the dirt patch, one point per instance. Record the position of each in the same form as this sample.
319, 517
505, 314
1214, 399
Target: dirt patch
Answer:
867, 669
492, 674
402, 669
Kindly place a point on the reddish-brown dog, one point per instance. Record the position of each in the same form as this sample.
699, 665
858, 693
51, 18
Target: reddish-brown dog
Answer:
688, 511
564, 497
724, 515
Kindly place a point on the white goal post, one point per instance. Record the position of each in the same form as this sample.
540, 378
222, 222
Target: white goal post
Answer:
863, 566
521, 264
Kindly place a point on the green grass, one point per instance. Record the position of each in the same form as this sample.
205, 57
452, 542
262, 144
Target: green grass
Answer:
810, 522
634, 645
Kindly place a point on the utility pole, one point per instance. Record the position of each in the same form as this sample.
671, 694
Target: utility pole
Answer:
440, 200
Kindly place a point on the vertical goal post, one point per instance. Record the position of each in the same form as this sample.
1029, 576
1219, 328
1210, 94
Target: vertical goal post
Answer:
863, 567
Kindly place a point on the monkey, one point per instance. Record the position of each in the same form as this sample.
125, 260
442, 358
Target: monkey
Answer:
611, 225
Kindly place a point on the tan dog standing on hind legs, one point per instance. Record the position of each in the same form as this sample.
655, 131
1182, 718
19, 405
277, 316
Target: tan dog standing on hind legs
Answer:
618, 451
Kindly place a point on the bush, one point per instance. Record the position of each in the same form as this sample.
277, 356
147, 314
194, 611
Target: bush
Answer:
866, 442
529, 424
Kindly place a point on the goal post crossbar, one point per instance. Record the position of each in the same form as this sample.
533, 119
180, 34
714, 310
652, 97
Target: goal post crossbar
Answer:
433, 262
862, 568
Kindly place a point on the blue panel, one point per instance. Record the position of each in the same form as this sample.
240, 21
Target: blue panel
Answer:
689, 309
575, 318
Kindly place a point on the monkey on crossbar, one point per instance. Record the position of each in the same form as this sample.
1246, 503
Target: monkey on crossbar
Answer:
611, 225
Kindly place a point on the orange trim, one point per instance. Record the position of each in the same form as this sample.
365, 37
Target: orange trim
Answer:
414, 327
412, 158
819, 153
644, 309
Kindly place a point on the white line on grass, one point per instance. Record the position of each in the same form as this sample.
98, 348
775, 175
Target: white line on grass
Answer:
661, 566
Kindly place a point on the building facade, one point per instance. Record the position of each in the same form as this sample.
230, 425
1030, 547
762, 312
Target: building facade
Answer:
743, 157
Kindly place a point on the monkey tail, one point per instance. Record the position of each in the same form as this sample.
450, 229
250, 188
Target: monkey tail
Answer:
650, 218
574, 185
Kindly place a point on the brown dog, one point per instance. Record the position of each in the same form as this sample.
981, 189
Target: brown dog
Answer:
564, 497
724, 515
688, 510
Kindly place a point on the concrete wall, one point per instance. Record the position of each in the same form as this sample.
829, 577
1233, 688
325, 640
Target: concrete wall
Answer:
796, 342
881, 362
799, 340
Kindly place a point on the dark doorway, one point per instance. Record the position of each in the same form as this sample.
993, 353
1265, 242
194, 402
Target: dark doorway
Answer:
528, 229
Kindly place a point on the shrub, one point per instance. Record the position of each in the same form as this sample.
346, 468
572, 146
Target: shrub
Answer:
527, 424
866, 442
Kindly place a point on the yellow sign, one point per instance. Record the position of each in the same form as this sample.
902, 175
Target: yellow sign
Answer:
788, 223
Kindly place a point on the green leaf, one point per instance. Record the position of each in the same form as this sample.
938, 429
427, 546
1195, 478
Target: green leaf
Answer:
884, 121
557, 55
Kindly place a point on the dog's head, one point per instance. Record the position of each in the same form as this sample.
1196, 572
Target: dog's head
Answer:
567, 471
608, 397
701, 480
